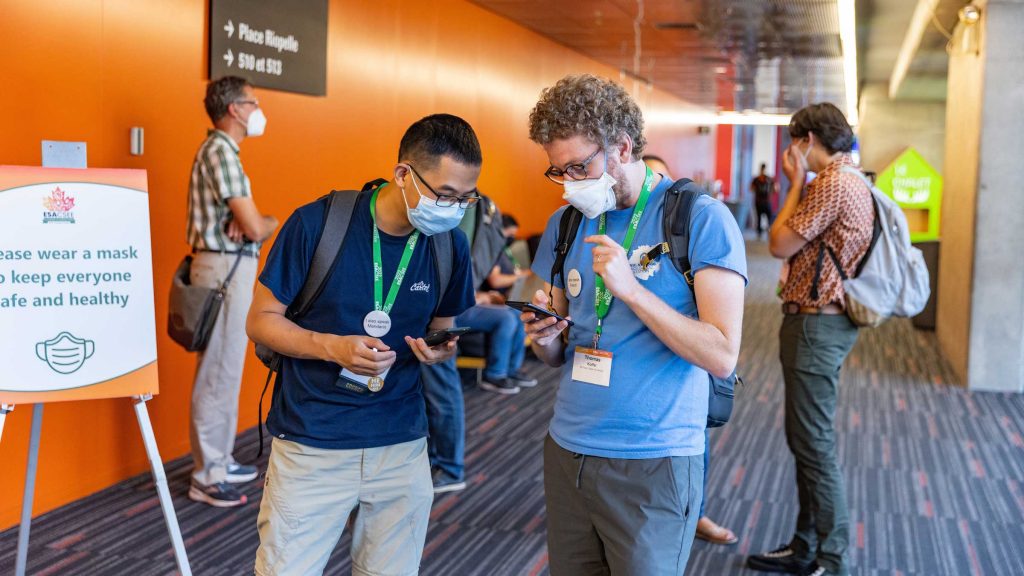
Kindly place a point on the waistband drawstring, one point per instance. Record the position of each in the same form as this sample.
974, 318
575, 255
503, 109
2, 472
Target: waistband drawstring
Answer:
579, 472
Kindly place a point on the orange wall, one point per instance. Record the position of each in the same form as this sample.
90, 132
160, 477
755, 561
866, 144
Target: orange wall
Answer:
90, 69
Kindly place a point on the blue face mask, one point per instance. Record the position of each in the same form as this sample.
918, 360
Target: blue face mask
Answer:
428, 217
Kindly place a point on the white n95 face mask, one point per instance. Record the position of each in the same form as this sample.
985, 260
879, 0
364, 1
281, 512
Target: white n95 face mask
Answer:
256, 123
592, 197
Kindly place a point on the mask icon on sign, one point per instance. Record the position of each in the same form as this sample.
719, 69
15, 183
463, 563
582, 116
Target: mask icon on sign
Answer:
65, 353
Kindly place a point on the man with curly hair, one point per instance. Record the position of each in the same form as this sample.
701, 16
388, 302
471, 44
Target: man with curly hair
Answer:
623, 461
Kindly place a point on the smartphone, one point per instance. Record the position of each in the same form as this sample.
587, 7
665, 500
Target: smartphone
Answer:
438, 337
531, 307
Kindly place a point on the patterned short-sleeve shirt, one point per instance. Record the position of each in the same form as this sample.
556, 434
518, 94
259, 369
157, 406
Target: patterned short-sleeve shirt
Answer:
838, 212
217, 176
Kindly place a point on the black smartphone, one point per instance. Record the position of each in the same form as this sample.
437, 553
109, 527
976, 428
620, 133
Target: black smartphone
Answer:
443, 335
531, 307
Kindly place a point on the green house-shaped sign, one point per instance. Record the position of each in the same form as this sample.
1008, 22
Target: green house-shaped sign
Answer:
917, 187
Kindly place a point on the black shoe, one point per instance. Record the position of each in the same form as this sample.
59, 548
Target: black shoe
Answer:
814, 570
241, 473
499, 386
522, 380
445, 482
221, 495
782, 559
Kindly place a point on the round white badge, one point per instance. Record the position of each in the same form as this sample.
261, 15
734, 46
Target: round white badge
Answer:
377, 324
574, 283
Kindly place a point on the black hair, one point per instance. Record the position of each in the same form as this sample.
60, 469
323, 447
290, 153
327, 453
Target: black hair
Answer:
508, 220
437, 135
763, 166
828, 125
221, 93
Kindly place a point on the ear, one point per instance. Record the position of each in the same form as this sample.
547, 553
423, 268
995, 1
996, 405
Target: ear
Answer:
623, 148
401, 173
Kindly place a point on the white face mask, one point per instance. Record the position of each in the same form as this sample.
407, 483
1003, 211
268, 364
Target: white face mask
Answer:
256, 123
592, 197
805, 155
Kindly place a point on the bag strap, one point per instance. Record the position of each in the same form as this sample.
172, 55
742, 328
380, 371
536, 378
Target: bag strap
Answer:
444, 262
227, 280
679, 201
568, 228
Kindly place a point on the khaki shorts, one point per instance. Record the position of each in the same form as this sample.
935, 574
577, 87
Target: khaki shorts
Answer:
310, 493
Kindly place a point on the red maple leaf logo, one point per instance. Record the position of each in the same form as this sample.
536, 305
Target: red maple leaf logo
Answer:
59, 201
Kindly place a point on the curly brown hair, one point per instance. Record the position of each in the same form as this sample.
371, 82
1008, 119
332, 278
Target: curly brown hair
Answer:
585, 105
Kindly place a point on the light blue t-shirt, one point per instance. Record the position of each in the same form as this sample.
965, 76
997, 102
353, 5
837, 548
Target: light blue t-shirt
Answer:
657, 403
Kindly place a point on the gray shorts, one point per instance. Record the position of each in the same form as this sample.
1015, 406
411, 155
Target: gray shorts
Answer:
310, 493
618, 516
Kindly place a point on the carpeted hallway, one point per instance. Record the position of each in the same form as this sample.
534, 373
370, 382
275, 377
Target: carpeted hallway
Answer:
935, 478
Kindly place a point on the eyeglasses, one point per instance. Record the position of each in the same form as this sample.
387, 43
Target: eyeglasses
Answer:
448, 200
573, 171
254, 102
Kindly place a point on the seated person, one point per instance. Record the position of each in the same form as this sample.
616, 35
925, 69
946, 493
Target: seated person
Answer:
506, 271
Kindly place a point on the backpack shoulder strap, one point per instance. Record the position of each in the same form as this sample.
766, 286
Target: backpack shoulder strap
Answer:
443, 262
568, 228
337, 217
679, 201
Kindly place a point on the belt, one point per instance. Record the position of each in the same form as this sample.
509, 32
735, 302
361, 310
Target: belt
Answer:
791, 308
248, 253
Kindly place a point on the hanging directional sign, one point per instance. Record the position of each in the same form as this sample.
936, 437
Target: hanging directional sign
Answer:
275, 44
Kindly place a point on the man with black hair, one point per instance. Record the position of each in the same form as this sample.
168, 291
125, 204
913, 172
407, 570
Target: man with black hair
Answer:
348, 415
823, 225
763, 186
224, 227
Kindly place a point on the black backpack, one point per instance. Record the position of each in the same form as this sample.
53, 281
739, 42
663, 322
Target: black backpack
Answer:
341, 206
679, 201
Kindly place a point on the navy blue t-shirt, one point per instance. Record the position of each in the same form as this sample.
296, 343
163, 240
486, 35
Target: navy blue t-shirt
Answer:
309, 407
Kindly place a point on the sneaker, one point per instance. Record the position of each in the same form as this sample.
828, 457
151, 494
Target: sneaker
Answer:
522, 380
782, 559
220, 495
445, 482
241, 473
814, 570
499, 385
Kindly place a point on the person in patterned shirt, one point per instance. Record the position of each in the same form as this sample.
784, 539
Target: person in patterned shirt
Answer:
834, 211
224, 228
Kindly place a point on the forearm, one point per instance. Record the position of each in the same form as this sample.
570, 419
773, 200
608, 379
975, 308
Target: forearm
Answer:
553, 354
699, 343
502, 280
788, 207
284, 336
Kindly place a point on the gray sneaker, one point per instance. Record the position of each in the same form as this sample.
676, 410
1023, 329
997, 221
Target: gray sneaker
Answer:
222, 495
499, 385
241, 473
522, 380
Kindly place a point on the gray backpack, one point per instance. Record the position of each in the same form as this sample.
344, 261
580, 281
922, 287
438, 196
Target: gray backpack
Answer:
891, 279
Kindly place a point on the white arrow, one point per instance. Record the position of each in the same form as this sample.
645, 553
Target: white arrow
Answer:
229, 28
229, 57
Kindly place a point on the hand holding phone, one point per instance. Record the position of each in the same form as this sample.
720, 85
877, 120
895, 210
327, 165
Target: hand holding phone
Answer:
438, 337
538, 311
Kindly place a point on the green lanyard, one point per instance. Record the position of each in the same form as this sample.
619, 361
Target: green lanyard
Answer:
602, 296
378, 268
511, 258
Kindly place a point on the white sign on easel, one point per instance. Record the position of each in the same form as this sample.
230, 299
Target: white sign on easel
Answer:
76, 304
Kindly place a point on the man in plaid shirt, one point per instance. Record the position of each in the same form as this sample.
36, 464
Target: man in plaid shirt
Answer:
224, 226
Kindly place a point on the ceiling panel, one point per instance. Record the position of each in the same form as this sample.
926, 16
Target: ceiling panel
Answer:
772, 55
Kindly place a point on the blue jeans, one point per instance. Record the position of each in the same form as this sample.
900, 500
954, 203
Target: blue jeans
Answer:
707, 460
507, 337
446, 417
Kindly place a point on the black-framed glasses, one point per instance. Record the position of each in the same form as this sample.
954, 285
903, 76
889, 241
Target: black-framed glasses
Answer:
254, 102
448, 200
576, 171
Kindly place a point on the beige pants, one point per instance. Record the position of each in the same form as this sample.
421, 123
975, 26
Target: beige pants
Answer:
310, 493
214, 420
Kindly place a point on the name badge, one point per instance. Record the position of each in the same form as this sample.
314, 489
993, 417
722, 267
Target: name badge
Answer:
592, 366
360, 383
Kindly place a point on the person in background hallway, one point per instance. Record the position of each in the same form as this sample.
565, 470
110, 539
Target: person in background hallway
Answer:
623, 473
348, 415
707, 529
507, 340
442, 386
223, 221
763, 187
833, 213
507, 271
